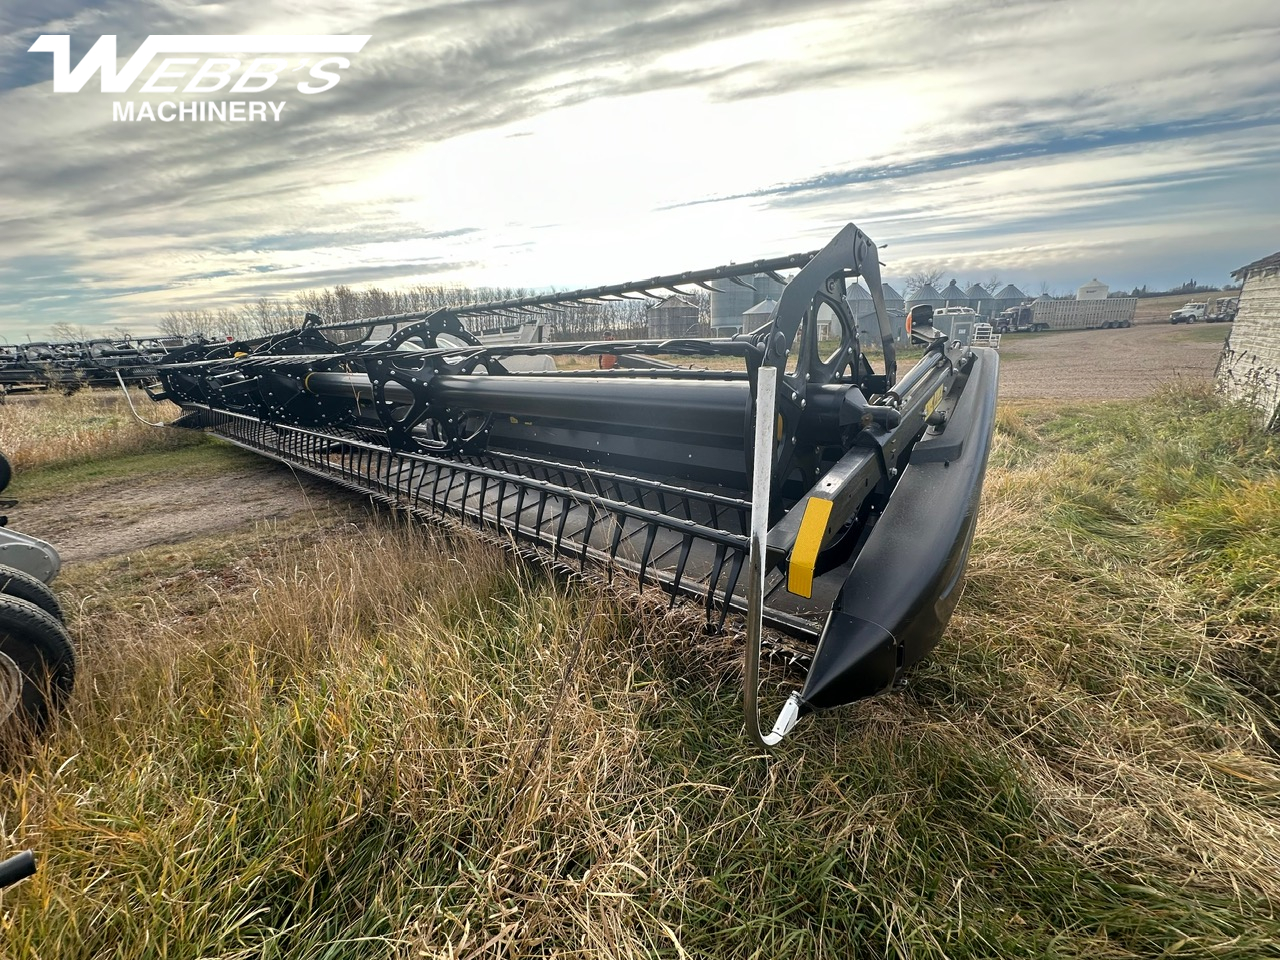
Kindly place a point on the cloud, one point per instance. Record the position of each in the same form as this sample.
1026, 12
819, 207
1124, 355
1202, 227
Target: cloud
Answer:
538, 142
1026, 142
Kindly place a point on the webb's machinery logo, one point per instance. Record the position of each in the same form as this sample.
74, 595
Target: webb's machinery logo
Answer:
307, 64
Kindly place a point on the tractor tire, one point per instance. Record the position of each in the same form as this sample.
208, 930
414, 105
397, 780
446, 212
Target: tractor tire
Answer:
6, 471
20, 584
37, 670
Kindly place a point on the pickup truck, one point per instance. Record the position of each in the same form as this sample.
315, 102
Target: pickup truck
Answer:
1189, 313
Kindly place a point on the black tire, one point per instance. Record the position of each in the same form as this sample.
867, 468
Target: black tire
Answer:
20, 584
6, 471
37, 670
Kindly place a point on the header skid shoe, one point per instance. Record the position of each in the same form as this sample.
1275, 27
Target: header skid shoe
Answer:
848, 495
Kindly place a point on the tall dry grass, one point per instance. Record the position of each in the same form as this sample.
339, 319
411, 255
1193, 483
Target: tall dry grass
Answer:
53, 429
366, 739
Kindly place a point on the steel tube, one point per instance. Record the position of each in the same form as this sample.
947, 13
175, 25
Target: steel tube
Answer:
715, 407
917, 373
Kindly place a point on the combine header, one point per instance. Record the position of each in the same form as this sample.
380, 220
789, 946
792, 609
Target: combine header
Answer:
759, 475
71, 365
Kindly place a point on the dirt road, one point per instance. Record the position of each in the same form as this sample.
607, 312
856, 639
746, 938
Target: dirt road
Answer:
109, 518
1107, 364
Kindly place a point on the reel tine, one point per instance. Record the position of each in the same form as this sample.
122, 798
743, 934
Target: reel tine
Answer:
650, 536
686, 544
564, 517
735, 571
586, 536
714, 578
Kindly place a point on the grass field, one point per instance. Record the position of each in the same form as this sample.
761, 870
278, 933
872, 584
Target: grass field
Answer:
339, 735
1206, 333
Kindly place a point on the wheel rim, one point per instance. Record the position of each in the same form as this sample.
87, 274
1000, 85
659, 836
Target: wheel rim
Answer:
10, 687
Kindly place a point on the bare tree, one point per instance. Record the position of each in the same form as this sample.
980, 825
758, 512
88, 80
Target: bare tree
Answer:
71, 331
312, 301
172, 324
346, 303
269, 316
914, 282
342, 303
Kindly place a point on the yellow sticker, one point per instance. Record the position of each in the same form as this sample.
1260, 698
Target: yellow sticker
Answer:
804, 555
932, 405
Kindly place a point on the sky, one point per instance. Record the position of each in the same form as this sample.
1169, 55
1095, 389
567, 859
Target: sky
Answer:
530, 143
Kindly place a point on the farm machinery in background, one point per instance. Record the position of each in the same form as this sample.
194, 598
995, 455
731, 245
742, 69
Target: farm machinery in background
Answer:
37, 658
1224, 311
811, 494
67, 366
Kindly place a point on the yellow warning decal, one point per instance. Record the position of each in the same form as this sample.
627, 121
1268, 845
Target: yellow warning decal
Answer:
932, 405
804, 556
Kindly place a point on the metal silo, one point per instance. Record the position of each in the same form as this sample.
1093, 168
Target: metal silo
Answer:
979, 299
926, 294
860, 302
767, 288
1010, 296
864, 312
728, 302
897, 308
953, 296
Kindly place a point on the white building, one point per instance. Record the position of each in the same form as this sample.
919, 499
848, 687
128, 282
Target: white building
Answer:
1093, 290
1249, 368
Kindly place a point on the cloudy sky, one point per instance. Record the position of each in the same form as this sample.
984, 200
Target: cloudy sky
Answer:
575, 142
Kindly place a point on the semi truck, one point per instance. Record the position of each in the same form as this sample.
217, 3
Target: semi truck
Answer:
1018, 319
1046, 314
1189, 312
1223, 311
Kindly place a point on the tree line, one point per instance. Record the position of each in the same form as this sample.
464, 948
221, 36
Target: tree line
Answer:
344, 304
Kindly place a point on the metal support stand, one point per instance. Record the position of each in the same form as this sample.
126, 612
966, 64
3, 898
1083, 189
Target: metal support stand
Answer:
762, 468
